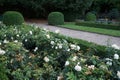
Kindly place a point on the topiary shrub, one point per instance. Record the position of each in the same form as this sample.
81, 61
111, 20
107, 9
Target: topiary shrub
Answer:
55, 18
12, 18
90, 17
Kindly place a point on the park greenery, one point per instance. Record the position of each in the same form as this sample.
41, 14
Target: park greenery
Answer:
72, 9
32, 53
28, 52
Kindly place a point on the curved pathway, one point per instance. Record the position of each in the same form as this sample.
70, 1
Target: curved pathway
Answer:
91, 37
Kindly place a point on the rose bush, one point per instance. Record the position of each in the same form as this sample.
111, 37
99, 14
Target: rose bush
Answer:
33, 53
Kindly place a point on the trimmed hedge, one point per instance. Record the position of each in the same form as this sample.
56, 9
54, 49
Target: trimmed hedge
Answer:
98, 25
55, 18
90, 17
12, 18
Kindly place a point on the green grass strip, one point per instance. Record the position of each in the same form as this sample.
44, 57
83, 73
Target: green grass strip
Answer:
91, 29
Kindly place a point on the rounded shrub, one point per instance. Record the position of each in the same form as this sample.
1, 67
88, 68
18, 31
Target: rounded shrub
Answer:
90, 17
55, 18
12, 18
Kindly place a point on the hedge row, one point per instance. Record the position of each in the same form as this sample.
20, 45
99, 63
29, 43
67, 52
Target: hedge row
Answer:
98, 25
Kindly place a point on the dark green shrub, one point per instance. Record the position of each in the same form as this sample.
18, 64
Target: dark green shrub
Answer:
55, 18
90, 17
3, 75
29, 43
114, 14
71, 16
1, 17
12, 18
98, 25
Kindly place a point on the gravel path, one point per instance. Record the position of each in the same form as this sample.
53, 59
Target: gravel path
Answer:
91, 37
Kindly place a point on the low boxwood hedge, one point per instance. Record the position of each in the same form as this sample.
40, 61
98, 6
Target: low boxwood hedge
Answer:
98, 25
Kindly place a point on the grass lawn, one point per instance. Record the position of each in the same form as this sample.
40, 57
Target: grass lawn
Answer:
71, 25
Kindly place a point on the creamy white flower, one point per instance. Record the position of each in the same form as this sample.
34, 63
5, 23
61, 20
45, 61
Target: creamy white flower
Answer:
109, 63
78, 68
91, 67
67, 63
59, 77
46, 59
48, 36
60, 46
45, 29
115, 46
52, 42
26, 40
36, 48
73, 46
74, 58
5, 41
30, 32
78, 48
108, 59
56, 47
57, 31
2, 52
5, 35
16, 41
118, 74
68, 50
104, 67
12, 38
17, 35
0, 43
116, 56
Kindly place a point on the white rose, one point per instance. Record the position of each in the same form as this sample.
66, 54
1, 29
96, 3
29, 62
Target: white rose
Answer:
78, 48
17, 35
91, 67
48, 36
116, 56
16, 41
60, 46
68, 50
46, 59
78, 68
30, 32
2, 52
45, 29
73, 46
115, 46
26, 40
57, 31
0, 43
74, 58
108, 59
52, 42
5, 41
118, 74
12, 38
67, 63
56, 47
36, 48
109, 63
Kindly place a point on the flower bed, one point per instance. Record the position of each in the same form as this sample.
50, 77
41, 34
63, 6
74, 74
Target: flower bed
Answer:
31, 53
